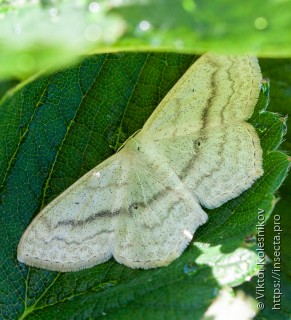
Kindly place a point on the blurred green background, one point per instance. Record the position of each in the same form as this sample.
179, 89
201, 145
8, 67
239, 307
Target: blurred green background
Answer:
65, 63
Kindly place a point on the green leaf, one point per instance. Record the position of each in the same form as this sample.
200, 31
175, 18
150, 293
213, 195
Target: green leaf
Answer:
37, 35
6, 85
57, 127
279, 73
279, 308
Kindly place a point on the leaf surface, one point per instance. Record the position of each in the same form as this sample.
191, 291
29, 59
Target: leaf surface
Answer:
53, 130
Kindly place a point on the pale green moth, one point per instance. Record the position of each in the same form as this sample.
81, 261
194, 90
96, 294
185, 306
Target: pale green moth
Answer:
143, 204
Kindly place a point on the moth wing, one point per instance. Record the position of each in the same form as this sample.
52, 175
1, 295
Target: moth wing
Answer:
216, 164
162, 215
76, 230
216, 89
129, 206
200, 127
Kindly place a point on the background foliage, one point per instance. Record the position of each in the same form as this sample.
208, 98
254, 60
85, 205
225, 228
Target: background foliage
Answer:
55, 127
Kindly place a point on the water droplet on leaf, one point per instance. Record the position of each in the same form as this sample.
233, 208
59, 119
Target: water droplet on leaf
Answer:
190, 268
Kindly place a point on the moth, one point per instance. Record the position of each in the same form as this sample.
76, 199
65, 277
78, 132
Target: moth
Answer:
143, 204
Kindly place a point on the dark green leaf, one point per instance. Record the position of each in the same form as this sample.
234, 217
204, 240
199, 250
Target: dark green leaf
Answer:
56, 128
279, 73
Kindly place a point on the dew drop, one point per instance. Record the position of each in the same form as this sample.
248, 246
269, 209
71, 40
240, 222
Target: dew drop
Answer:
94, 7
52, 300
190, 268
189, 5
93, 32
261, 23
215, 291
144, 25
